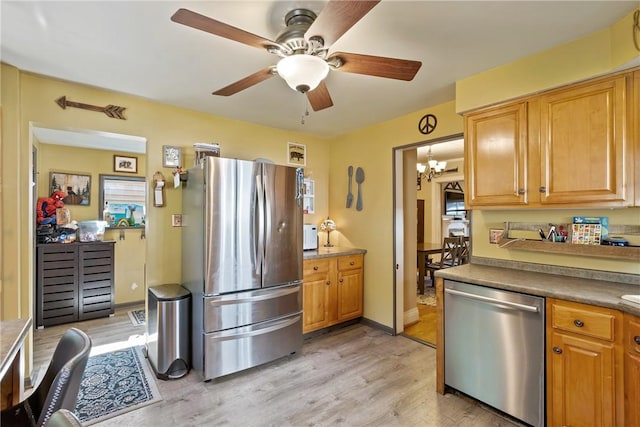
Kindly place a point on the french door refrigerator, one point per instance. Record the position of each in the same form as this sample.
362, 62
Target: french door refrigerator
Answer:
242, 262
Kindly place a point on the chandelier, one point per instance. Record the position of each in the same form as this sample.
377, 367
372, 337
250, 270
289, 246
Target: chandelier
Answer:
436, 168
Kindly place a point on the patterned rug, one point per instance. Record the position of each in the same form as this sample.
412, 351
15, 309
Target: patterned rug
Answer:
137, 317
429, 297
114, 383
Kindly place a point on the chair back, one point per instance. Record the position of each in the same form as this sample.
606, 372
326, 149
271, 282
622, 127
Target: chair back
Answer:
60, 385
464, 250
449, 255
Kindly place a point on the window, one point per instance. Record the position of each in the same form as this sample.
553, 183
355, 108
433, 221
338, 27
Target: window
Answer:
123, 200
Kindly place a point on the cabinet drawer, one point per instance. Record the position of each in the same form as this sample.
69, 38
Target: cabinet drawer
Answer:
349, 262
582, 319
315, 266
632, 333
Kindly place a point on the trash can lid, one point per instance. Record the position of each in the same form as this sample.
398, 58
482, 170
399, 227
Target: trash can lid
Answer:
169, 292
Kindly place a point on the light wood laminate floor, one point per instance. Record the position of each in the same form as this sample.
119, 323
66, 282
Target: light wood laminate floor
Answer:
355, 376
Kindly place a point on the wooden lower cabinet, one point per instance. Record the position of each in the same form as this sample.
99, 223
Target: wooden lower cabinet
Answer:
585, 376
74, 281
632, 369
332, 291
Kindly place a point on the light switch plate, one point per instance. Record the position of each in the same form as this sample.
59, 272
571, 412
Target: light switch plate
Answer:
176, 220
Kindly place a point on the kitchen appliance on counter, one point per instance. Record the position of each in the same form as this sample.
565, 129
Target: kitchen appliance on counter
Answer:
310, 241
494, 348
242, 262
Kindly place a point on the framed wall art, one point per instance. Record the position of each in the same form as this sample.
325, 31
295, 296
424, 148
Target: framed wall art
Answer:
125, 164
296, 154
75, 187
171, 156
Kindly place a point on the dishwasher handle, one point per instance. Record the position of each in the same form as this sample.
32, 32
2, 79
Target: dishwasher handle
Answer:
490, 300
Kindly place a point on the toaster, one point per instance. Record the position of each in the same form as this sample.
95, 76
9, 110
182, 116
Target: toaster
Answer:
310, 237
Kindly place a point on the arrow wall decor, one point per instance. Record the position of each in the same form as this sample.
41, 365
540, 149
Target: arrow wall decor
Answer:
113, 111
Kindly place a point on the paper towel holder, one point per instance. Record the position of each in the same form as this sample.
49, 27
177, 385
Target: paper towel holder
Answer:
158, 189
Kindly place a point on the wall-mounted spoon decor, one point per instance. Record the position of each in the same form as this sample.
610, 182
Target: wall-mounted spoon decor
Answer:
359, 181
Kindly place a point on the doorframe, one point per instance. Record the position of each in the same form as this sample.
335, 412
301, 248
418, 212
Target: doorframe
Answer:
399, 257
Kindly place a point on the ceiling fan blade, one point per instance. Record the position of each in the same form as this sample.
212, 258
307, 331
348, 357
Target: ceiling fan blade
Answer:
319, 98
210, 25
337, 17
379, 66
247, 82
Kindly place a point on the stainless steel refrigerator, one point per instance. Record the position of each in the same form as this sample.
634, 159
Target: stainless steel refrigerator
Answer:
242, 262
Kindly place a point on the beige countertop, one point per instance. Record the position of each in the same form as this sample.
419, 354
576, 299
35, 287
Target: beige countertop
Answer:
579, 289
12, 335
333, 251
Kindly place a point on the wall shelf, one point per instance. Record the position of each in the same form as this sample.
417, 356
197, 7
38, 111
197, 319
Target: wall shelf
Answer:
597, 251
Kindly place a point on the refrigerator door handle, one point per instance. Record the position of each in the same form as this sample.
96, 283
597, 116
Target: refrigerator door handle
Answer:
267, 220
259, 256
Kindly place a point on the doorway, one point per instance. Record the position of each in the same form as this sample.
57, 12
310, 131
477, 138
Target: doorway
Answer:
420, 207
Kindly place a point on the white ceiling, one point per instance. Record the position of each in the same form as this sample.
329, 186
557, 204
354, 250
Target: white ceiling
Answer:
134, 47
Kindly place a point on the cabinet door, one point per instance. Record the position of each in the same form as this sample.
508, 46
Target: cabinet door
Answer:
316, 295
496, 156
95, 282
349, 294
635, 117
585, 148
581, 387
632, 369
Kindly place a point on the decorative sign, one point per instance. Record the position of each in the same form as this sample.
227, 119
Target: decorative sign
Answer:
427, 124
113, 111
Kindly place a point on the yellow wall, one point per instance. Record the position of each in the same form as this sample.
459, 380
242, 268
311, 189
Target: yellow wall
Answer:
595, 54
372, 228
27, 98
130, 253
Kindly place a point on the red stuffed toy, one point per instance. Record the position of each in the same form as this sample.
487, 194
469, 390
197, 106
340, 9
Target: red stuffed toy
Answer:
46, 207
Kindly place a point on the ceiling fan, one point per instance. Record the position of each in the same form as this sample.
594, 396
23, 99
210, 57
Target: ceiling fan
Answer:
303, 46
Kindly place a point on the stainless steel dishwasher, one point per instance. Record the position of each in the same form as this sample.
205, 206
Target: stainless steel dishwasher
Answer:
494, 348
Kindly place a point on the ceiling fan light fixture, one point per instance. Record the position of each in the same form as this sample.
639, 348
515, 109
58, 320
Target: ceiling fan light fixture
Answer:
302, 72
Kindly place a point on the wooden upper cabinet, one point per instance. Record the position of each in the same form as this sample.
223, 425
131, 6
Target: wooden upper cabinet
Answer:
585, 146
496, 156
577, 146
635, 120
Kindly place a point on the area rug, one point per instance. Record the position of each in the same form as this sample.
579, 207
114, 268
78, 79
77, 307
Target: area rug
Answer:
429, 297
137, 317
114, 383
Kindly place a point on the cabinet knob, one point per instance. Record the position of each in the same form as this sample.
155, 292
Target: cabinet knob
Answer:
351, 263
520, 191
328, 282
315, 267
542, 189
557, 350
579, 323
341, 280
636, 339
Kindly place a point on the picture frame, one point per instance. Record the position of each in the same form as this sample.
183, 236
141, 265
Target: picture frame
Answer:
495, 234
125, 164
76, 187
171, 156
296, 154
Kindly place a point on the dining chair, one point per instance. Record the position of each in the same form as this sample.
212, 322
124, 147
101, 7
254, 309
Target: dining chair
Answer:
448, 256
464, 250
63, 418
59, 386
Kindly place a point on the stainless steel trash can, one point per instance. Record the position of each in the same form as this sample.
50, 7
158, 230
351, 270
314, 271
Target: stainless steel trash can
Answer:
169, 319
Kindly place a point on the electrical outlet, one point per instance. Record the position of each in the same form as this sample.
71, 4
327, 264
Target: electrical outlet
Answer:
176, 220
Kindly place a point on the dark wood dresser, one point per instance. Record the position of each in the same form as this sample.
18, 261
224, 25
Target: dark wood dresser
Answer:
74, 281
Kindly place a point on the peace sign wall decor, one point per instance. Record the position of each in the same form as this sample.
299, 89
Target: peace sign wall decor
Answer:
427, 124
